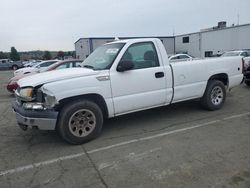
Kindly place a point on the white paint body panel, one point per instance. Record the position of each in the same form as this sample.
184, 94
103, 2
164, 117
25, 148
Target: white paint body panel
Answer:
135, 90
190, 78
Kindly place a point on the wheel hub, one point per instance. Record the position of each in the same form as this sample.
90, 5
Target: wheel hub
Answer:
217, 95
82, 123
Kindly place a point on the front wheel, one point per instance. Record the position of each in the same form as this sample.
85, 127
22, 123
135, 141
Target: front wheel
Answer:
214, 96
80, 121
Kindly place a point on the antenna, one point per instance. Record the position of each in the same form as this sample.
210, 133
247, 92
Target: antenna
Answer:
238, 19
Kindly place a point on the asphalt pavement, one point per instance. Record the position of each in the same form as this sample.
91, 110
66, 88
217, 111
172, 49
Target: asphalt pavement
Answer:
181, 145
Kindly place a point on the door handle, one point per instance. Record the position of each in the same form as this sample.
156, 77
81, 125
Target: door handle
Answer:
159, 74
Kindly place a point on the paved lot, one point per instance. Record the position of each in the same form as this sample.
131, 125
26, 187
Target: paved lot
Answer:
177, 146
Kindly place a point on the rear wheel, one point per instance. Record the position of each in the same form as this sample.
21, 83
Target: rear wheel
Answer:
214, 96
80, 121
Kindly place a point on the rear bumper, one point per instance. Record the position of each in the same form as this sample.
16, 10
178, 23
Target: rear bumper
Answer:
42, 119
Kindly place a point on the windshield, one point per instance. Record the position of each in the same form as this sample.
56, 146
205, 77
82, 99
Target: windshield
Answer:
228, 54
37, 65
32, 64
103, 57
49, 67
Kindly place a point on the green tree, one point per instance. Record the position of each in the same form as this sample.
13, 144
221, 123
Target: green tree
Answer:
47, 55
60, 55
14, 56
3, 55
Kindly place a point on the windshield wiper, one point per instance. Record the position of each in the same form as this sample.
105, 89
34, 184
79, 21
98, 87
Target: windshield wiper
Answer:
88, 66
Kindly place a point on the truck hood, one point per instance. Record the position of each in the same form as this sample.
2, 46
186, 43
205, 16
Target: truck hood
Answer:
56, 75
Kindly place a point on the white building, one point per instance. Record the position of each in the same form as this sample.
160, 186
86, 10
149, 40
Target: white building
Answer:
201, 44
85, 46
214, 40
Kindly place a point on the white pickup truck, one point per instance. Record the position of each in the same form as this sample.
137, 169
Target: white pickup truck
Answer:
119, 78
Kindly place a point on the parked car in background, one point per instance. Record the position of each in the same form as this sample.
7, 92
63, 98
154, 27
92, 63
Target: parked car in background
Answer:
12, 85
8, 64
36, 68
243, 53
180, 57
65, 64
31, 63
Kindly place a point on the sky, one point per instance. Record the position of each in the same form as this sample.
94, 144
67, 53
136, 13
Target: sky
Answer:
57, 24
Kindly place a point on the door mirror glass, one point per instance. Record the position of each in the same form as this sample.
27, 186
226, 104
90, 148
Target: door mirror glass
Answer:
125, 65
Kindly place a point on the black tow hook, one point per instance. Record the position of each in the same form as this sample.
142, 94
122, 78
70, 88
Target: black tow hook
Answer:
23, 127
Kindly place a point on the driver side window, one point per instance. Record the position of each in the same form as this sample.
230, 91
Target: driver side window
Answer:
143, 55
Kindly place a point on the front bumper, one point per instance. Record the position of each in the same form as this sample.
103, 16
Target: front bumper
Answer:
41, 119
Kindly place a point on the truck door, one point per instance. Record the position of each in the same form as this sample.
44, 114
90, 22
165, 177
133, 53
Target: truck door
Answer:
142, 87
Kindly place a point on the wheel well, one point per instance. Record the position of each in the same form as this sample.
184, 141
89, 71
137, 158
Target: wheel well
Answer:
96, 98
221, 77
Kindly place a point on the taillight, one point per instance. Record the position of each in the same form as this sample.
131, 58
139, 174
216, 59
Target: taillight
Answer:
243, 65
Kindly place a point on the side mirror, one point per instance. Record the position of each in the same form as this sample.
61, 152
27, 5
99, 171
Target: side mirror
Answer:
125, 65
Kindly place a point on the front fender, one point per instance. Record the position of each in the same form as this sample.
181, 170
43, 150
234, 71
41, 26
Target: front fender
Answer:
81, 86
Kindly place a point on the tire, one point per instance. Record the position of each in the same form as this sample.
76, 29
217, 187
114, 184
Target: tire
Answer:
14, 67
247, 83
214, 96
80, 121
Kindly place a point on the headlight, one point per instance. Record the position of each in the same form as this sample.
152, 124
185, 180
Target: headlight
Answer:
26, 93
